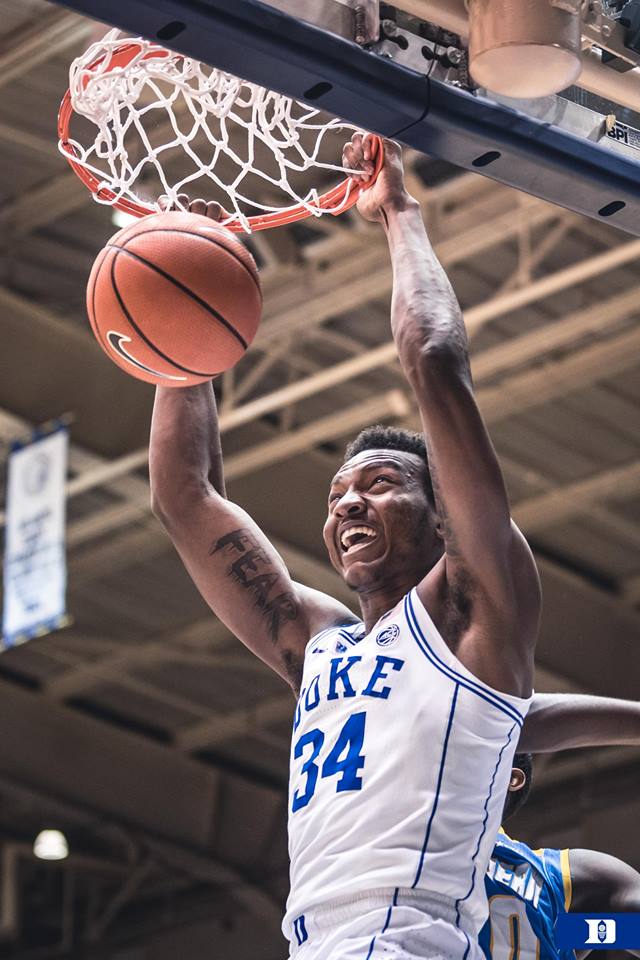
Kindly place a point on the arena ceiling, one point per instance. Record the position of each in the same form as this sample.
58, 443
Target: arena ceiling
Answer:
144, 729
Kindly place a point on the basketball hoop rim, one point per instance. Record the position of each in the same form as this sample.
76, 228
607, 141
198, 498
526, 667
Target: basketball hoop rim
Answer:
335, 201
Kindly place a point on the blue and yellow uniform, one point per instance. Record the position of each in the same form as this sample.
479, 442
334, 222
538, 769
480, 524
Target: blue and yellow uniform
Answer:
527, 890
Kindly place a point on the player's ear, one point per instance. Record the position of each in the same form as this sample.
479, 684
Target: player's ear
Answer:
517, 779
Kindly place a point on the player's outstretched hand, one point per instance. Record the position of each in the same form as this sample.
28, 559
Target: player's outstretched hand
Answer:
389, 190
206, 208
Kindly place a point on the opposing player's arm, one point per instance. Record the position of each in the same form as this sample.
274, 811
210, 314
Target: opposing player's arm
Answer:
601, 883
483, 549
563, 721
236, 569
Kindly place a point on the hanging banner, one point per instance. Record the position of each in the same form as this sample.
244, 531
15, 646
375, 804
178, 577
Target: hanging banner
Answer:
35, 575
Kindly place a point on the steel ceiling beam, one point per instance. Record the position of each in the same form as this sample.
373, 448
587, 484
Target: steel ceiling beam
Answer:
631, 589
105, 769
73, 804
54, 31
393, 404
475, 318
574, 499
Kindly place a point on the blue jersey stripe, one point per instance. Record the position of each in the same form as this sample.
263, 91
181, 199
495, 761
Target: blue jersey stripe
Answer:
448, 671
484, 825
437, 796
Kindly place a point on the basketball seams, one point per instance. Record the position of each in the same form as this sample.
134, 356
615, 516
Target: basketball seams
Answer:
190, 293
252, 273
150, 344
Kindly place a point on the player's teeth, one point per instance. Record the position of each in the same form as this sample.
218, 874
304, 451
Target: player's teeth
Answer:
348, 535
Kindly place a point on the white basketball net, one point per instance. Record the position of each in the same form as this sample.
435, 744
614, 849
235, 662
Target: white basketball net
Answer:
155, 111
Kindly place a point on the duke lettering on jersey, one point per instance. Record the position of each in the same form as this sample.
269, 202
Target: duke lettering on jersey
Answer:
390, 731
339, 683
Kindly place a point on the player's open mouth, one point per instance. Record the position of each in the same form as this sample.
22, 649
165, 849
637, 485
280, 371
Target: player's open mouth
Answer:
355, 537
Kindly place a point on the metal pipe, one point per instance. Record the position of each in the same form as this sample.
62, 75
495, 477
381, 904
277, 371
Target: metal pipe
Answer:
525, 49
9, 892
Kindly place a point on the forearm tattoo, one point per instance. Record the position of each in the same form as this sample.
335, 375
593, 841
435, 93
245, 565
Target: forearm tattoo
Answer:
252, 569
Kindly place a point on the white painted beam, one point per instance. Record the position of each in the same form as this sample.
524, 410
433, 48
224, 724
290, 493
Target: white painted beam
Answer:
560, 504
556, 379
42, 204
583, 367
392, 404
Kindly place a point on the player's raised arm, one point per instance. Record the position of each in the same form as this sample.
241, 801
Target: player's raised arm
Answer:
237, 570
489, 572
563, 721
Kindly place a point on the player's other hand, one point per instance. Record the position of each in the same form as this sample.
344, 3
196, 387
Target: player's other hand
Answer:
205, 208
389, 191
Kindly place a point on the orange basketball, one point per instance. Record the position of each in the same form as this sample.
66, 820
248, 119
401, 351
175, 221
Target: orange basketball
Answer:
174, 299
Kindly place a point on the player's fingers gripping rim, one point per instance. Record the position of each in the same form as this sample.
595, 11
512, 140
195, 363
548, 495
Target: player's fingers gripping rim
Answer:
167, 205
352, 152
206, 208
353, 159
215, 211
364, 153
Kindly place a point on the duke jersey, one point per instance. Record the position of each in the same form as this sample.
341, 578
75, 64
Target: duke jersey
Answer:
527, 890
400, 761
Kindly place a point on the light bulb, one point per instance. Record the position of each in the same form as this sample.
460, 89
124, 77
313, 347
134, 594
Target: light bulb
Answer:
51, 845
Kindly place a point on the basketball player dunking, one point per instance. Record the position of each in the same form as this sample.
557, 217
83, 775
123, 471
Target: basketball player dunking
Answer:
407, 721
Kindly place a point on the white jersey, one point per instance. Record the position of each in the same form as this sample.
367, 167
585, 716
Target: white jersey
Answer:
400, 762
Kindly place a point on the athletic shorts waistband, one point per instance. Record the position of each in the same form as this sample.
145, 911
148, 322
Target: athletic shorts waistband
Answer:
332, 913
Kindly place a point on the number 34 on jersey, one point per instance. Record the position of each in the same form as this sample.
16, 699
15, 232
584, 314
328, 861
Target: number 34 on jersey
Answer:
344, 758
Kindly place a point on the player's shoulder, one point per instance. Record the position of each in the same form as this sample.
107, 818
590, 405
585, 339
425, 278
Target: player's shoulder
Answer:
551, 868
323, 612
601, 879
516, 851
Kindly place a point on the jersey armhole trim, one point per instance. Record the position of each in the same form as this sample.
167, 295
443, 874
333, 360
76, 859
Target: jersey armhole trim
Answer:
485, 693
566, 878
334, 626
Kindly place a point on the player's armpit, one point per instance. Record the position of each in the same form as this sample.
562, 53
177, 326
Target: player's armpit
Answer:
246, 583
564, 721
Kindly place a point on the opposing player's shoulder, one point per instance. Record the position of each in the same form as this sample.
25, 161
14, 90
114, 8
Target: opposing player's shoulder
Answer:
602, 882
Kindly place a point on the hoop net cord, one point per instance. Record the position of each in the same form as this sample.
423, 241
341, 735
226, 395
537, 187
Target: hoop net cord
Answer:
136, 93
